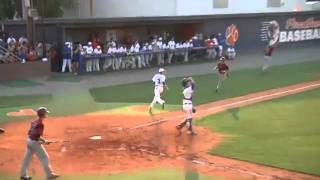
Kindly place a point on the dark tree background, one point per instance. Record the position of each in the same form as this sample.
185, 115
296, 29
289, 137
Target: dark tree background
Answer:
46, 8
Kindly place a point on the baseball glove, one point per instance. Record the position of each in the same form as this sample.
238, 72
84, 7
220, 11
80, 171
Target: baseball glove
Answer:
184, 82
194, 110
2, 130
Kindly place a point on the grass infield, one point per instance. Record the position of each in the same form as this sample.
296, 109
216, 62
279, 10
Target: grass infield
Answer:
242, 82
284, 132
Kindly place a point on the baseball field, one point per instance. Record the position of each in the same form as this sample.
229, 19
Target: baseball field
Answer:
260, 125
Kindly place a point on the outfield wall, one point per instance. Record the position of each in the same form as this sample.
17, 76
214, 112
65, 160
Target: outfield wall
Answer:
14, 71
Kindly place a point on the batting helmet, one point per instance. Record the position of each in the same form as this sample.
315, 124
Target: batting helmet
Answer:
42, 111
222, 58
184, 82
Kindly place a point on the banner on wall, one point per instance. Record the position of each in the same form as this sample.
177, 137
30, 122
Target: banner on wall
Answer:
293, 31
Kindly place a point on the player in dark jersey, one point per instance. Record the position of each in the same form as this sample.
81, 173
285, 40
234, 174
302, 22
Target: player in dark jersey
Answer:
223, 72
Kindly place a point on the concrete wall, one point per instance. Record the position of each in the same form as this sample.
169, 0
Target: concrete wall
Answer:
149, 8
203, 7
134, 8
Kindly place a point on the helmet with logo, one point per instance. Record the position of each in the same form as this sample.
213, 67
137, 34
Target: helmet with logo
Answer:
42, 111
161, 70
222, 58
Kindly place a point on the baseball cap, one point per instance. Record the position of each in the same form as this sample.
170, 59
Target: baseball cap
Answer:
42, 110
89, 43
161, 70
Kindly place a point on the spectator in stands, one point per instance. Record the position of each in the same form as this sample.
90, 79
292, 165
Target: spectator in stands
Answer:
121, 51
231, 53
11, 39
23, 40
89, 51
158, 50
210, 44
171, 49
23, 51
109, 60
76, 58
67, 56
32, 55
39, 49
221, 41
2, 43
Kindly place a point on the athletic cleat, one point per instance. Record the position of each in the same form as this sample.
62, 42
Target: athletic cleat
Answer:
53, 176
26, 178
150, 111
163, 106
192, 133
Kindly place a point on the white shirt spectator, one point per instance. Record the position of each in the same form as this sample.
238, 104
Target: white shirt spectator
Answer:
11, 40
164, 46
137, 48
131, 49
89, 50
97, 51
122, 50
172, 45
150, 47
159, 44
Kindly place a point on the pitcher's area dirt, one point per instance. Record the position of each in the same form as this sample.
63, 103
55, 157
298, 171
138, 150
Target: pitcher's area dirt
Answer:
130, 140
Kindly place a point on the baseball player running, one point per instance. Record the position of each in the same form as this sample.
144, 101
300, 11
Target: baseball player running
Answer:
187, 106
223, 70
267, 57
35, 146
159, 81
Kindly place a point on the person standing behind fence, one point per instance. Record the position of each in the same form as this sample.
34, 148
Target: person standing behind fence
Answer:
211, 54
96, 62
120, 53
220, 44
76, 58
108, 62
145, 55
231, 53
138, 55
89, 52
132, 57
67, 56
158, 49
171, 49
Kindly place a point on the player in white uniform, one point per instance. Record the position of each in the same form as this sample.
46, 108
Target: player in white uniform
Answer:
89, 51
187, 106
96, 62
172, 47
159, 81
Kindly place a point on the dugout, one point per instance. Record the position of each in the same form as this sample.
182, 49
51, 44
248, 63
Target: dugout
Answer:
291, 30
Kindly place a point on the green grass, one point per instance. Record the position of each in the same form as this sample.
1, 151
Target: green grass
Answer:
20, 83
152, 174
241, 82
283, 133
14, 101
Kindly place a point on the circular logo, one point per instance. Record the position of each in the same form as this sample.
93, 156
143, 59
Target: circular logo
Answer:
232, 35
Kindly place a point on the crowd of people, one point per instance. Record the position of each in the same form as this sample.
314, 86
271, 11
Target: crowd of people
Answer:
115, 56
20, 50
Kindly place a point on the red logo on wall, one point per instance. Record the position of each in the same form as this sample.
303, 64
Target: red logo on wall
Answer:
232, 35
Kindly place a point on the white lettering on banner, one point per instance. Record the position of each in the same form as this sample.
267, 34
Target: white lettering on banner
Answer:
303, 35
299, 35
316, 34
290, 36
296, 35
283, 36
309, 34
